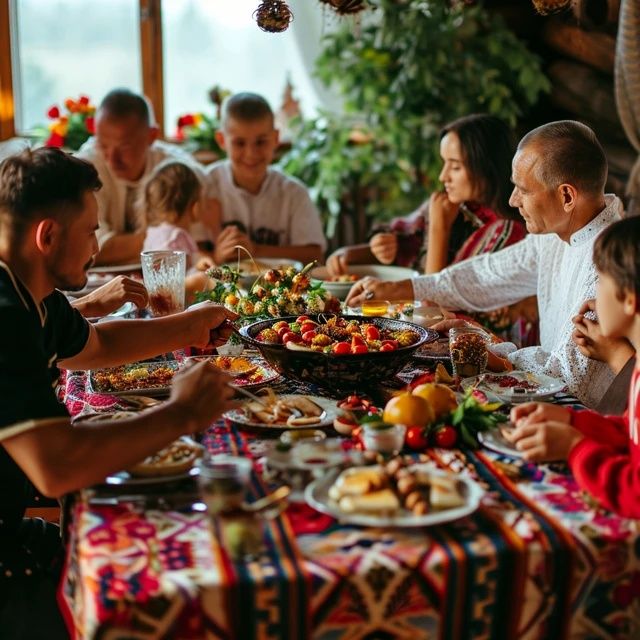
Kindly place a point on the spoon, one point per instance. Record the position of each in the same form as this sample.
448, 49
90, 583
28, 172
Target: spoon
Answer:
281, 493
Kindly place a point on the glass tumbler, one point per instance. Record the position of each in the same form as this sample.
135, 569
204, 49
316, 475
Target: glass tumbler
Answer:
223, 482
163, 273
468, 347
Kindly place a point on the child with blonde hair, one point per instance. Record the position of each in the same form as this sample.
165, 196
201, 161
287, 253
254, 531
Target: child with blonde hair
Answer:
171, 200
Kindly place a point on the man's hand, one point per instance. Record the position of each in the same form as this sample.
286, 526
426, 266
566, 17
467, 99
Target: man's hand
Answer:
544, 441
112, 296
372, 289
384, 247
442, 212
588, 337
202, 393
338, 262
534, 412
209, 324
227, 242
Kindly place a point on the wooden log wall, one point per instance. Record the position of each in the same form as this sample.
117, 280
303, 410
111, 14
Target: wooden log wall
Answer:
578, 46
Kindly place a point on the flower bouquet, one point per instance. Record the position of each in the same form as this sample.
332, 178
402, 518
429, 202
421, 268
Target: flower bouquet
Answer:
70, 129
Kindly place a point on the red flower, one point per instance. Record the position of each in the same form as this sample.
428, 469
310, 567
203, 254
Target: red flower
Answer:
91, 125
186, 120
54, 140
53, 112
83, 100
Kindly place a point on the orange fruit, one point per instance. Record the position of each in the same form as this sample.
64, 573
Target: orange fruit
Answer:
441, 398
408, 409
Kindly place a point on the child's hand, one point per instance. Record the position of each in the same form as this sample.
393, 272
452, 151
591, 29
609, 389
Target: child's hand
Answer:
592, 344
533, 412
204, 263
384, 247
226, 244
543, 441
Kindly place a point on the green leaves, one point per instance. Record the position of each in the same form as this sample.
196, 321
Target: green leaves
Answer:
410, 68
472, 416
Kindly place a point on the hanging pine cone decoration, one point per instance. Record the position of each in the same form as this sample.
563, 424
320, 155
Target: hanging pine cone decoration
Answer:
273, 16
345, 7
545, 7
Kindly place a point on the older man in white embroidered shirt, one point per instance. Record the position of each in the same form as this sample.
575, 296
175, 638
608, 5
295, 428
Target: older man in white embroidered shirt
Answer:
559, 172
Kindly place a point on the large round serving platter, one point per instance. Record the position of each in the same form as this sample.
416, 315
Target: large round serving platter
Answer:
330, 412
317, 496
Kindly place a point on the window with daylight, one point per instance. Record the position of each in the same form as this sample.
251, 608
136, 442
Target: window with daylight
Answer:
65, 48
209, 43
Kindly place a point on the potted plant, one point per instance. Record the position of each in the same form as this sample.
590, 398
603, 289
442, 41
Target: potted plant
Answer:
412, 66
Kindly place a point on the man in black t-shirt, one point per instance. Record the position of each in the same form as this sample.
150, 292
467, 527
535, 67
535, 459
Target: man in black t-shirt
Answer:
48, 219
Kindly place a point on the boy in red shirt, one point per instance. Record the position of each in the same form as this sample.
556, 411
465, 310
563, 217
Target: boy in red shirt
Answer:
603, 452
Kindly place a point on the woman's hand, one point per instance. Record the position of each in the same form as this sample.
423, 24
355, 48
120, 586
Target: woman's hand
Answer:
384, 247
442, 212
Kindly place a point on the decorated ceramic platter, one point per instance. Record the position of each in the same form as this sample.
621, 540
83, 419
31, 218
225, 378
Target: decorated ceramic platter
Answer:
246, 371
145, 378
327, 412
493, 440
516, 386
436, 351
318, 495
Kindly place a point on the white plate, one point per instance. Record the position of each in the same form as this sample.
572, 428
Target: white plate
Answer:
117, 268
125, 479
330, 412
124, 310
380, 271
495, 441
490, 382
317, 496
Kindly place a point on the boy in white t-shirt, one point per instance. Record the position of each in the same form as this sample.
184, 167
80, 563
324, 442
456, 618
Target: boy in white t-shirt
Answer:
268, 213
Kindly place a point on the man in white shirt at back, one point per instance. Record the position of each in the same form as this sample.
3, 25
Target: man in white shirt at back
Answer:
125, 150
559, 173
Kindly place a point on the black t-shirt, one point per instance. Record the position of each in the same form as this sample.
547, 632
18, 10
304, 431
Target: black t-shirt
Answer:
32, 339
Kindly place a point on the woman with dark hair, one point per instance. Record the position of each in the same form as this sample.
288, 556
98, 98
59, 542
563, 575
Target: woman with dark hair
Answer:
471, 216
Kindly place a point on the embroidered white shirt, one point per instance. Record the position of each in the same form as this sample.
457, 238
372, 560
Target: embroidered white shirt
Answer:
560, 273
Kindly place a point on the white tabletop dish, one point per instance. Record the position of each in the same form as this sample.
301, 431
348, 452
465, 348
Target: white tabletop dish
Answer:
516, 386
330, 412
317, 496
493, 440
117, 268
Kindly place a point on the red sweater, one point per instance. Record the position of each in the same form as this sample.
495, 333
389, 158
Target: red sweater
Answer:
606, 463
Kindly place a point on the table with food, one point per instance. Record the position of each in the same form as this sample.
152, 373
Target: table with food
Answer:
363, 488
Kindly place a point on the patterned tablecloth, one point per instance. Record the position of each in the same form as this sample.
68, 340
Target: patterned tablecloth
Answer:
537, 560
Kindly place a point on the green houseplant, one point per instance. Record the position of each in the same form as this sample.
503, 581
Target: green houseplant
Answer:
412, 66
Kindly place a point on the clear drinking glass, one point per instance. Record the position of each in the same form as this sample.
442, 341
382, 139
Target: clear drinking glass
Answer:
163, 273
223, 482
468, 347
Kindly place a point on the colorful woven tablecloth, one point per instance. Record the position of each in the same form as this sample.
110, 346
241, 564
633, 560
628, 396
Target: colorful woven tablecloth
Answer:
538, 560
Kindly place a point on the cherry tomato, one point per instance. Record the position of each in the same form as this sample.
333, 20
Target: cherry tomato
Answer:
302, 319
356, 339
416, 438
291, 337
393, 343
359, 348
279, 325
308, 336
308, 326
387, 347
282, 331
341, 348
372, 333
445, 437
